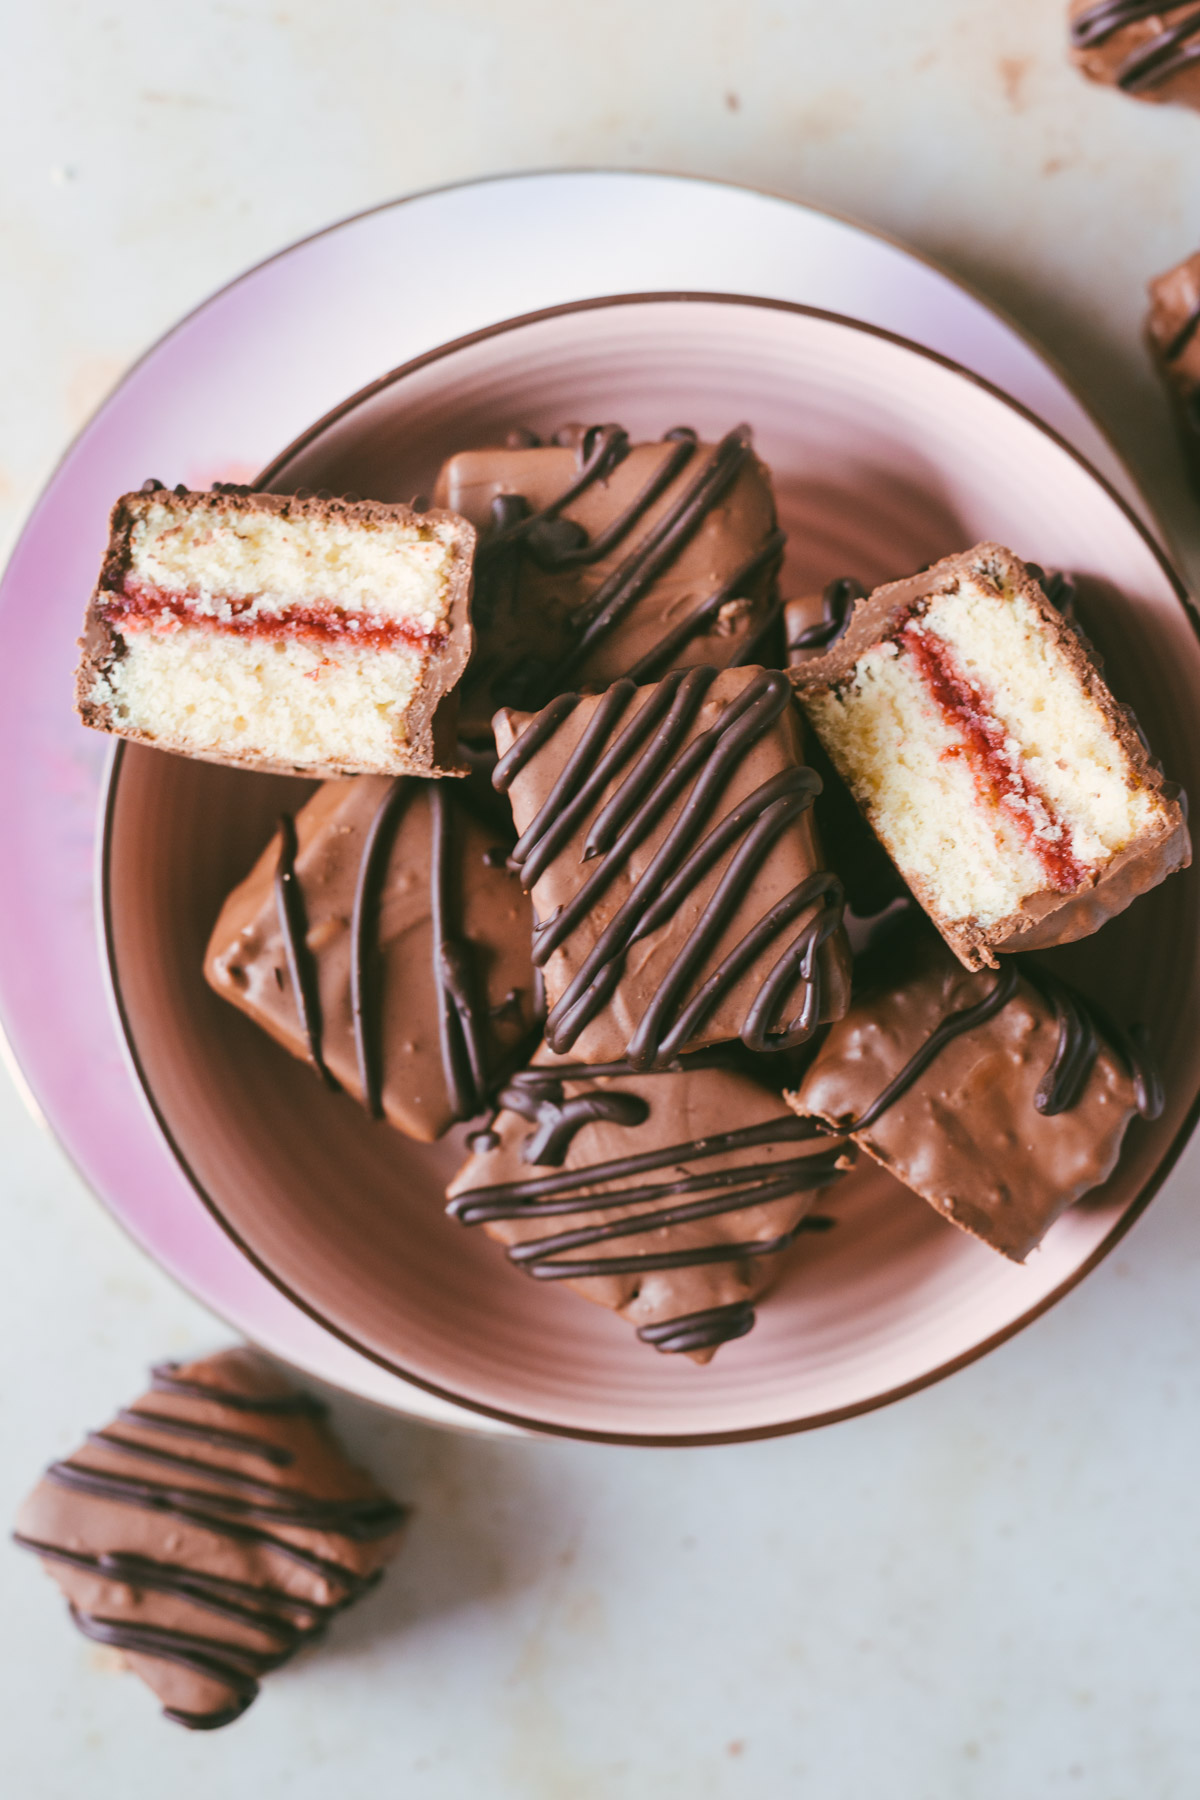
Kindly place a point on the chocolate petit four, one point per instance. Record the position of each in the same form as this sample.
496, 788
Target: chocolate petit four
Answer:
677, 880
209, 1532
1147, 50
665, 1196
971, 723
278, 632
1000, 1099
1173, 331
600, 558
381, 938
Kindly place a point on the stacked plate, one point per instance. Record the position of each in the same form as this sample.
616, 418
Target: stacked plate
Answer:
901, 419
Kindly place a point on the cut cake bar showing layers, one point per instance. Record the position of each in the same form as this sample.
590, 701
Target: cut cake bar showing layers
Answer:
209, 1532
381, 938
600, 557
307, 635
970, 721
1000, 1099
666, 1196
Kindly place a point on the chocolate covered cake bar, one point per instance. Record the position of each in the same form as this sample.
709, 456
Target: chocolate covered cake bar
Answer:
1173, 332
1147, 50
380, 937
971, 723
667, 840
665, 1196
312, 635
209, 1532
1000, 1099
600, 558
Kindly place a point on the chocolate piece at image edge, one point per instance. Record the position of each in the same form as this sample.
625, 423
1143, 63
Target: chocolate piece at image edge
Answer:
209, 1532
1173, 335
600, 558
364, 608
1000, 1098
1148, 51
667, 1196
678, 883
996, 809
381, 938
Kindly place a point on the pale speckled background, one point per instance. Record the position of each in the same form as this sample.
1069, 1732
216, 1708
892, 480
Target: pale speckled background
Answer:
992, 1590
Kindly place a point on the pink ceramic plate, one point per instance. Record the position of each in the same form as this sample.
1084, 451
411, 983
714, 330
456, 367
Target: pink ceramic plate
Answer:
884, 458
217, 397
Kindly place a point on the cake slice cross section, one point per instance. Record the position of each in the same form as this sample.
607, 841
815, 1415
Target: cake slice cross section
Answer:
972, 724
297, 634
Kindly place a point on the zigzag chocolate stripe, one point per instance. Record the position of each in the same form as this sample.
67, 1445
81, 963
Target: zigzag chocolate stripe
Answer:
226, 1504
663, 767
1183, 336
1165, 55
1079, 1038
721, 1192
556, 543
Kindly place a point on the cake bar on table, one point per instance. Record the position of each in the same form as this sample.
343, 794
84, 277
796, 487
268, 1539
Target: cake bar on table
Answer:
666, 1196
1147, 50
209, 1532
1173, 330
971, 722
381, 938
677, 880
272, 631
600, 557
999, 1098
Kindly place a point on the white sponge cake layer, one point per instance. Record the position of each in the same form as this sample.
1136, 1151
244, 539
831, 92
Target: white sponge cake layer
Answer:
904, 766
1069, 750
987, 767
291, 632
272, 700
268, 562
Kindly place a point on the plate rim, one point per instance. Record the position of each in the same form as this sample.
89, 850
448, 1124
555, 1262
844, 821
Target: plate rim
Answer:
875, 1402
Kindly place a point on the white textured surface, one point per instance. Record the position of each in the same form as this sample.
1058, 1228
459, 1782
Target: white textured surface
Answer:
990, 1590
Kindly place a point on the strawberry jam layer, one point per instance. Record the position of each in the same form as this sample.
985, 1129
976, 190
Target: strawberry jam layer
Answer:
1000, 780
141, 606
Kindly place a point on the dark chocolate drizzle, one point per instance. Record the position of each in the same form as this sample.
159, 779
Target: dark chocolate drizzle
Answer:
539, 1095
1170, 52
1183, 336
301, 964
837, 605
287, 1620
229, 1504
366, 988
664, 767
460, 1021
1063, 1085
557, 543
723, 1191
165, 1379
462, 1032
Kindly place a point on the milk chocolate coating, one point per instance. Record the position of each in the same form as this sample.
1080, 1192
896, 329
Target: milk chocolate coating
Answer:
668, 842
424, 1016
1011, 1121
1049, 917
432, 715
209, 1532
1151, 52
599, 558
665, 1196
1173, 333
